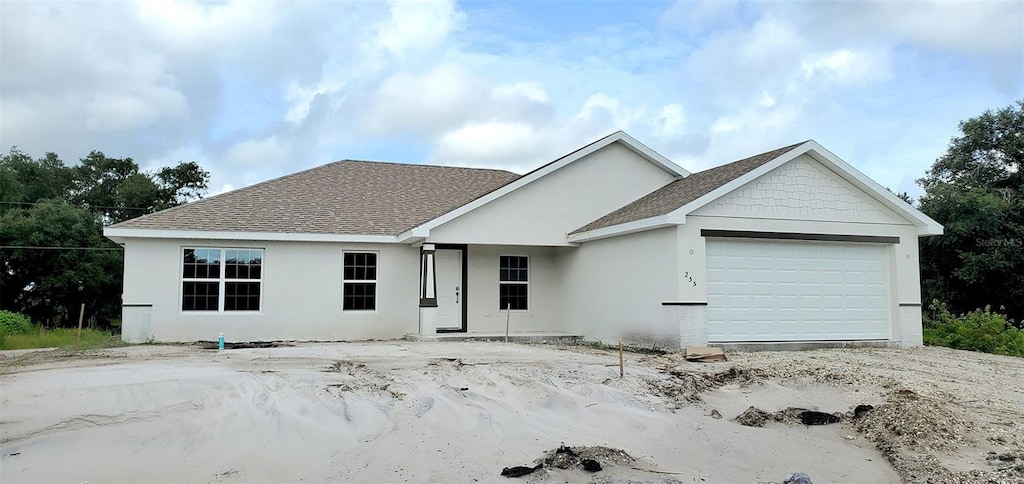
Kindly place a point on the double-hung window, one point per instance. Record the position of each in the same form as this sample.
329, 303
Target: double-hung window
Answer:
513, 282
360, 281
214, 279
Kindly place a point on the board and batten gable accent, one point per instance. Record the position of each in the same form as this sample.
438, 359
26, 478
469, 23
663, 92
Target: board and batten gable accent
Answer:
802, 189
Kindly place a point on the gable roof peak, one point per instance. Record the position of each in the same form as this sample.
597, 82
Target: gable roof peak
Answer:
685, 190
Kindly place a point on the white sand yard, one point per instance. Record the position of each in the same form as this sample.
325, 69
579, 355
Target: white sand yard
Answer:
453, 412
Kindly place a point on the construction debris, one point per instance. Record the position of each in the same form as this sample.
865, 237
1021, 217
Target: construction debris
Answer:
704, 355
797, 478
520, 471
755, 417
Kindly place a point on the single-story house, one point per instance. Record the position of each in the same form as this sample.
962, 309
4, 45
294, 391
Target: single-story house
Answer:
612, 240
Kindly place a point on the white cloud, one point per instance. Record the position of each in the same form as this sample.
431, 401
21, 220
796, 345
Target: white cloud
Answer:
699, 16
275, 87
418, 25
268, 150
435, 100
509, 144
671, 122
532, 91
846, 66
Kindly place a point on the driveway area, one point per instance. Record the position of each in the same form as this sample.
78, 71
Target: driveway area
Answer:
463, 412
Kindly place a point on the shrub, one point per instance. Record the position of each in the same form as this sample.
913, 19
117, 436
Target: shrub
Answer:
978, 330
15, 323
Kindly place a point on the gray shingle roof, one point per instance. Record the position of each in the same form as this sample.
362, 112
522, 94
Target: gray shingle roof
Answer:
344, 197
685, 190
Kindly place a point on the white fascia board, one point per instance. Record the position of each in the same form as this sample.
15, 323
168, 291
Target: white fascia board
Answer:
621, 229
619, 136
412, 235
652, 156
119, 234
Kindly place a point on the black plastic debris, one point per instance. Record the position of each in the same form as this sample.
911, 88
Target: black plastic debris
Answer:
861, 410
591, 465
520, 471
810, 417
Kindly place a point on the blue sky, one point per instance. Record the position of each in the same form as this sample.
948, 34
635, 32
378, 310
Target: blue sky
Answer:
257, 89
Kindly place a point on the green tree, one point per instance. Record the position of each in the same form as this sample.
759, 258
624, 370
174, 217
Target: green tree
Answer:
54, 256
48, 284
117, 189
976, 189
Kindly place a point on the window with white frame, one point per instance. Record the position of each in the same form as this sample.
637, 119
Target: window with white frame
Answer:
513, 282
360, 281
215, 279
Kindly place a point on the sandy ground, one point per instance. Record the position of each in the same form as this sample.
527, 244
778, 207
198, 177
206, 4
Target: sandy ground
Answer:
461, 412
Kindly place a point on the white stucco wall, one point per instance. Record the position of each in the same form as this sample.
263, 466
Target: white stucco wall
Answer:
545, 304
301, 294
614, 288
543, 212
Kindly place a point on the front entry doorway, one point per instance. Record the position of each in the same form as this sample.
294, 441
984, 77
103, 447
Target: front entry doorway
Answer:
450, 290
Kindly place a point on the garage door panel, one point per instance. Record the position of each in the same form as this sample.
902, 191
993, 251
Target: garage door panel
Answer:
793, 291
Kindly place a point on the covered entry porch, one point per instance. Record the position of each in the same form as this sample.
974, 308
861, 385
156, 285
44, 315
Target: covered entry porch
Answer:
470, 291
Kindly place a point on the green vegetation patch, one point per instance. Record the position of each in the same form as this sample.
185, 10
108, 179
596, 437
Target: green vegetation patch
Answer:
58, 338
979, 330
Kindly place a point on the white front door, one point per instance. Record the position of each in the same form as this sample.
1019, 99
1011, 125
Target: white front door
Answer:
797, 291
449, 289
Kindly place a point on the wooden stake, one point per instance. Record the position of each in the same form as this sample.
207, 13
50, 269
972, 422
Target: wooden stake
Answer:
81, 315
508, 316
622, 370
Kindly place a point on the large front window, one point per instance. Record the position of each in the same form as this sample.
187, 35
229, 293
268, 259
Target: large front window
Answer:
513, 282
360, 281
221, 279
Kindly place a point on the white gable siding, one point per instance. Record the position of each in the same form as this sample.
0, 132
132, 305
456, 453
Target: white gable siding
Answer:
543, 212
802, 189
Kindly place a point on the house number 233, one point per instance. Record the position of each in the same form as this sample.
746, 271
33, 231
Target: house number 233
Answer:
689, 279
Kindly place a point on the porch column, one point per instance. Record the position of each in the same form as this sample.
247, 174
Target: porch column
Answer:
428, 290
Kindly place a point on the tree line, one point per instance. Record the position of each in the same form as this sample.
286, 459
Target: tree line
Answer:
53, 256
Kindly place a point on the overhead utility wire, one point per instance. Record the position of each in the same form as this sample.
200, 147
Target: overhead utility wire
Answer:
80, 206
57, 248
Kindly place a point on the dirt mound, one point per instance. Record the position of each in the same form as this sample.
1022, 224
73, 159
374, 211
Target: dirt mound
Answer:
909, 427
912, 421
755, 417
686, 386
10, 363
597, 464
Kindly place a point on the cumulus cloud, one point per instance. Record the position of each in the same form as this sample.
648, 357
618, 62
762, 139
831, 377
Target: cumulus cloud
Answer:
256, 90
418, 25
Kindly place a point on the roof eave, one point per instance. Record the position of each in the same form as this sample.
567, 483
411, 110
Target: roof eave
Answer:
641, 225
122, 234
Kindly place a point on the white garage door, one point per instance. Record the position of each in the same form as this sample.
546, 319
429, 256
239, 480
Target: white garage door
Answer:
760, 290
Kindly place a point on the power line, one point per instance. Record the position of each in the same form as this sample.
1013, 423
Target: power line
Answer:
81, 206
57, 248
